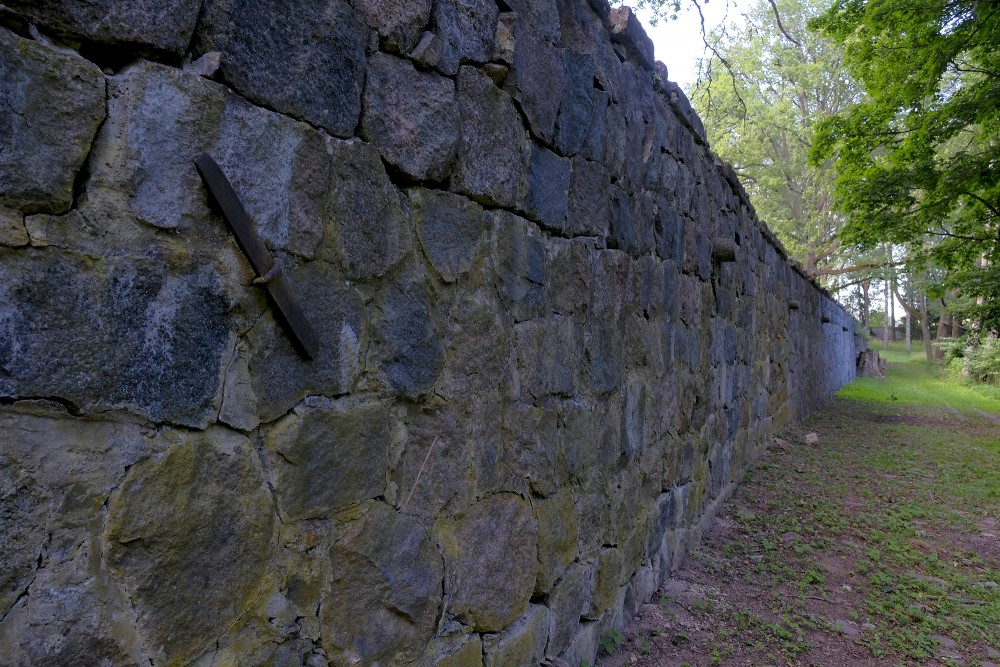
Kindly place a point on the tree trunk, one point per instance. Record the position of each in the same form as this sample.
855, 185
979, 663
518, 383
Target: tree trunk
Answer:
908, 344
892, 332
956, 328
885, 323
944, 331
866, 304
925, 329
891, 303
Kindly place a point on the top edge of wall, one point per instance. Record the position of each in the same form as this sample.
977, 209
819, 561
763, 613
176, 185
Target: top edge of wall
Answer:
626, 29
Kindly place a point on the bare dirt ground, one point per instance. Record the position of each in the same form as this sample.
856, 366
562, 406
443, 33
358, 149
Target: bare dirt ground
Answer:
876, 546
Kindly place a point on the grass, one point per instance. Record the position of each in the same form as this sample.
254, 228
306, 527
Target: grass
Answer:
924, 477
876, 546
911, 381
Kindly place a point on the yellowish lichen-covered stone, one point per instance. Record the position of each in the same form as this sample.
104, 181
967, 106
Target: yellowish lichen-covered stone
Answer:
189, 536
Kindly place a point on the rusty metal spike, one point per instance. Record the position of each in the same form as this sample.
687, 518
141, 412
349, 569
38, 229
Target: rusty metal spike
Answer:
287, 310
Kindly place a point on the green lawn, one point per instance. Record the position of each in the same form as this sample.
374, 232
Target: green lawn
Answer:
910, 380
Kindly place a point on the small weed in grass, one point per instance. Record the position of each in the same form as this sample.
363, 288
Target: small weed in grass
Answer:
812, 577
702, 606
611, 641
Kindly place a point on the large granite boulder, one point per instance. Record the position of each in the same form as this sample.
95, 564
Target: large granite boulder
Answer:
146, 25
54, 103
321, 84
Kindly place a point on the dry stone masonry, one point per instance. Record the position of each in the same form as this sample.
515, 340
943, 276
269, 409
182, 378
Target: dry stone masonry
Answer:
553, 332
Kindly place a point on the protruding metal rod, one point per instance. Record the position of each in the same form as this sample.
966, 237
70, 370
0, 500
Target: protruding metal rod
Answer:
287, 310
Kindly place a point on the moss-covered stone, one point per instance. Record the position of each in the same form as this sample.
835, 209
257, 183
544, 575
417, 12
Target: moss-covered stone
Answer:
329, 457
607, 581
489, 585
557, 537
189, 537
385, 590
521, 643
463, 650
54, 102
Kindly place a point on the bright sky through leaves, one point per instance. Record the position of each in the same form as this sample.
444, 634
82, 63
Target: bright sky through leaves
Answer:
679, 43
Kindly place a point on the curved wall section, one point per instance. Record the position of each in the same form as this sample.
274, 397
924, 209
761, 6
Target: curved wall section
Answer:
552, 331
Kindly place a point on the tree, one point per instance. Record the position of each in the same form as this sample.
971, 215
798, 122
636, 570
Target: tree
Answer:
770, 81
918, 160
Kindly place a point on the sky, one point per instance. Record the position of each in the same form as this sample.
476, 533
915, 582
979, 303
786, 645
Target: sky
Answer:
678, 44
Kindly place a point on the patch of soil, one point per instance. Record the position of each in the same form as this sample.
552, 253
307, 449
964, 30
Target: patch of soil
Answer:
789, 574
912, 420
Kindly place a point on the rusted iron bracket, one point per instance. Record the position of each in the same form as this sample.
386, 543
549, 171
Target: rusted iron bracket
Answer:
268, 271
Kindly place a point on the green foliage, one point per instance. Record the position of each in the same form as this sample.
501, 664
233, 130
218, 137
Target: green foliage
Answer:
658, 9
974, 356
768, 86
916, 160
862, 331
977, 302
611, 641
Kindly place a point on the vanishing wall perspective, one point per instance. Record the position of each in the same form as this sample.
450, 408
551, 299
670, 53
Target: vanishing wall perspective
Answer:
553, 333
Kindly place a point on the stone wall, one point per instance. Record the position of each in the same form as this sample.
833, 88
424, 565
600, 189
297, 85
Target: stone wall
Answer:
553, 333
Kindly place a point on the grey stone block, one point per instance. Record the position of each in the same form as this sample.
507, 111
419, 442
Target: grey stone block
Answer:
407, 339
411, 116
329, 457
142, 172
54, 104
451, 230
631, 222
24, 508
114, 334
670, 287
548, 356
628, 31
589, 208
387, 571
604, 354
438, 437
668, 230
149, 25
321, 84
542, 16
595, 142
548, 182
569, 601
576, 108
280, 377
665, 520
466, 29
567, 266
371, 233
520, 265
536, 79
531, 437
12, 230
489, 588
492, 147
399, 22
